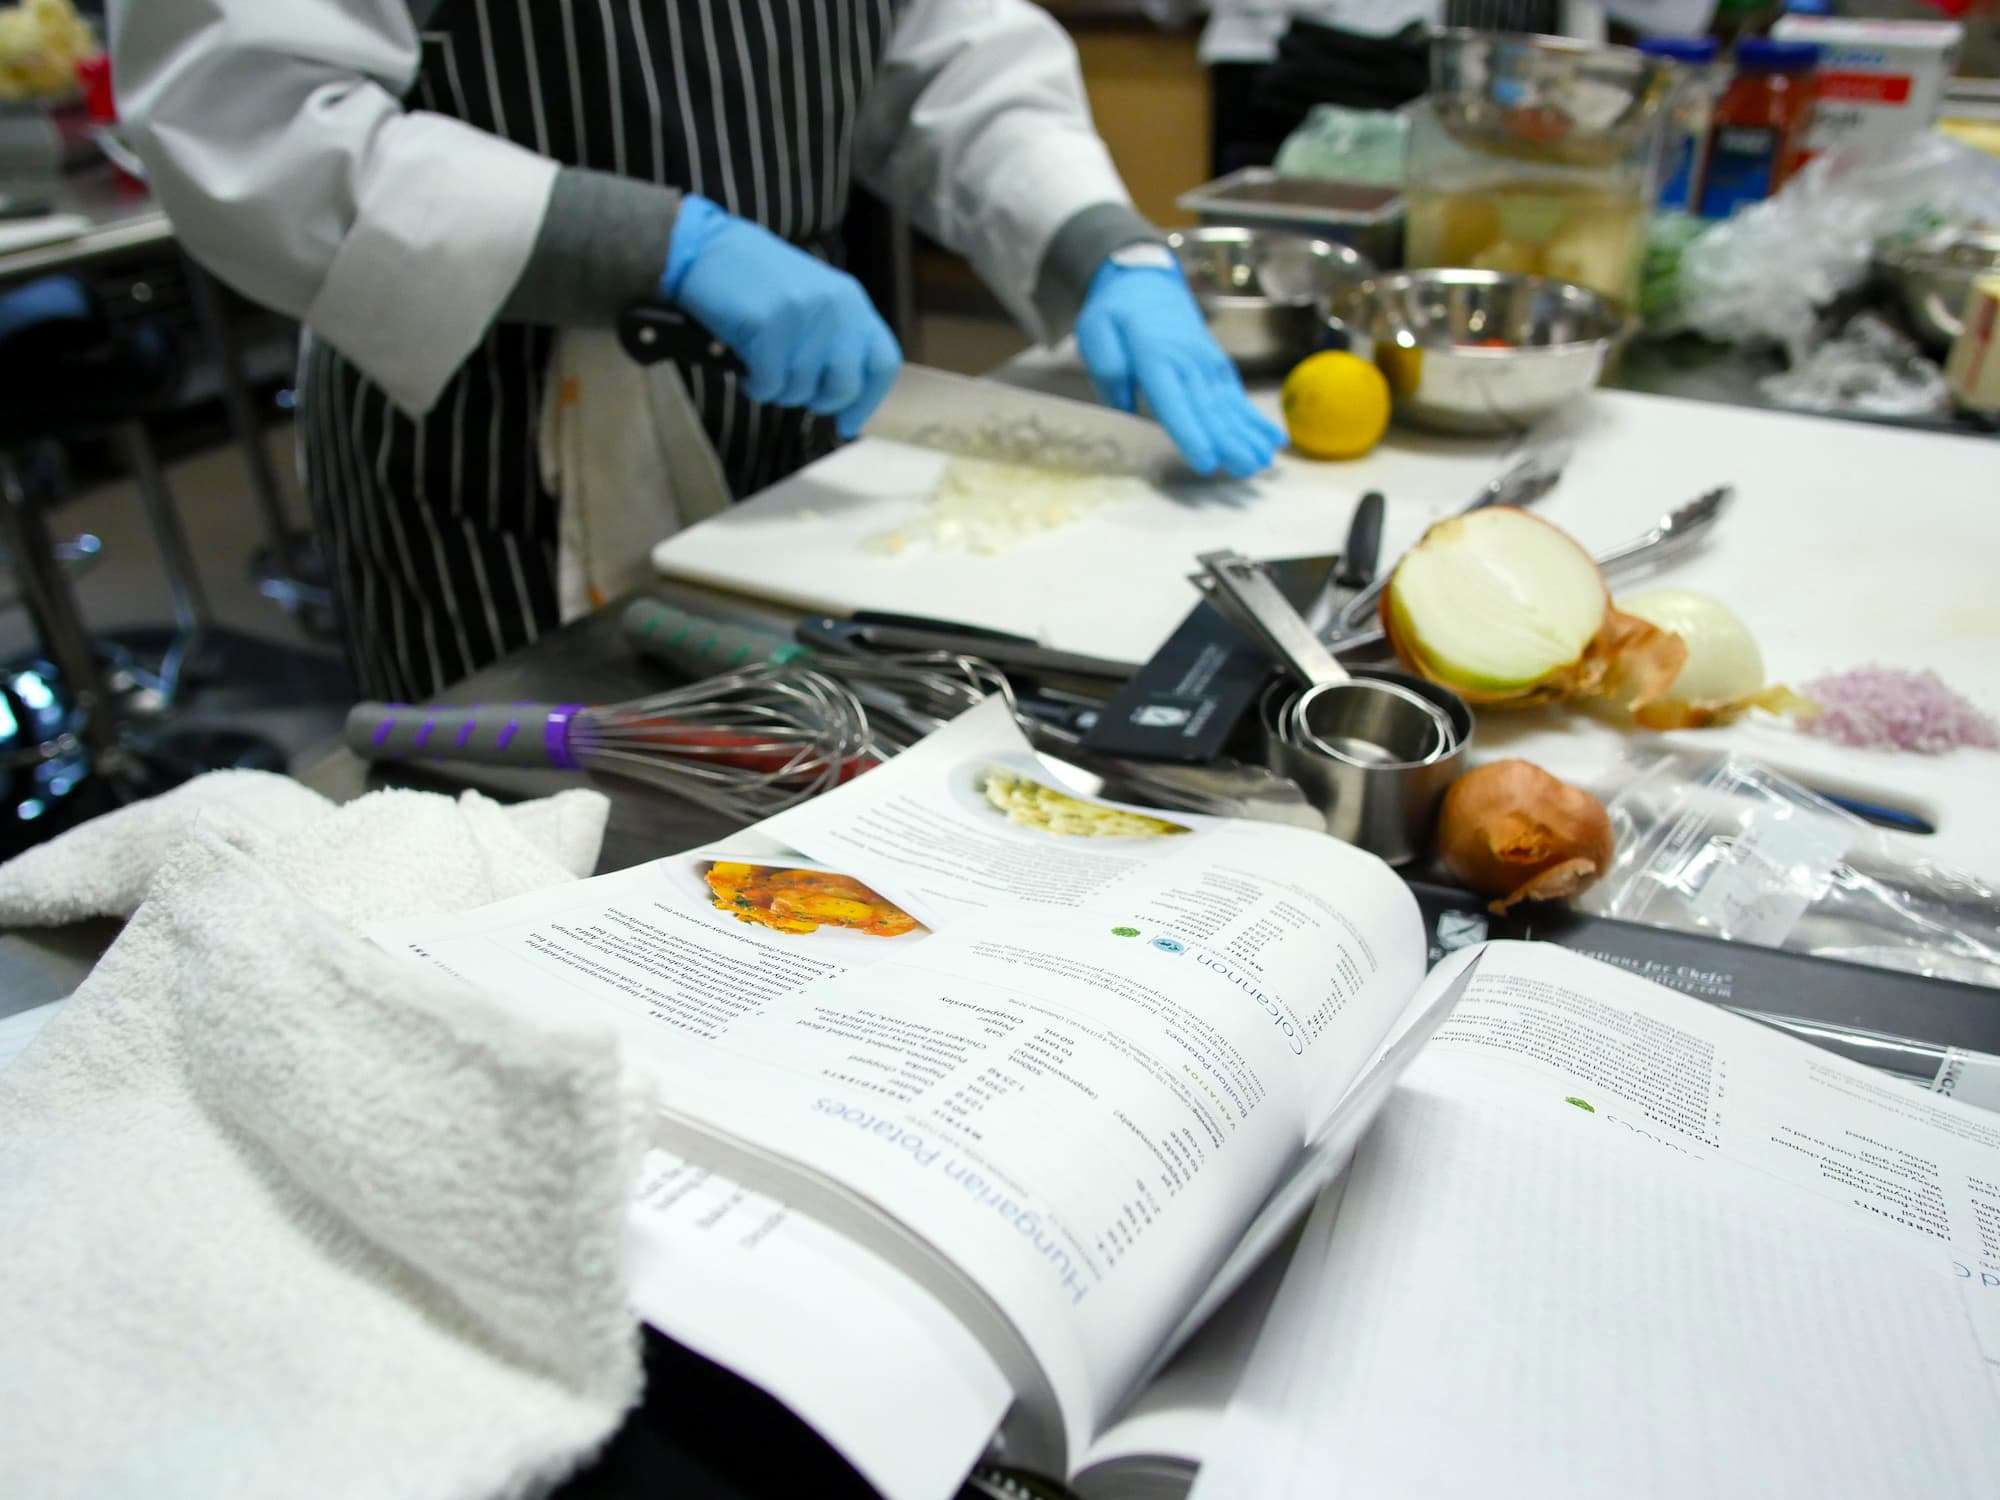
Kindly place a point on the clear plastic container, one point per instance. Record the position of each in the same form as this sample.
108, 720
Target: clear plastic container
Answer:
1689, 113
1516, 205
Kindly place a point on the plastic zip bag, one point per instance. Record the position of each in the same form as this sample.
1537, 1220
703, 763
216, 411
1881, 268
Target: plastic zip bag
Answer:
1721, 845
1764, 274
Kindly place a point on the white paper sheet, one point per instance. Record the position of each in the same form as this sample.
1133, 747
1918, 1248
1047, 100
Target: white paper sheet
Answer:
1517, 1304
820, 1322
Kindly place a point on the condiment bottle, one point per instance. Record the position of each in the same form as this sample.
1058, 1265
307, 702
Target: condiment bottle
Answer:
1759, 134
1690, 108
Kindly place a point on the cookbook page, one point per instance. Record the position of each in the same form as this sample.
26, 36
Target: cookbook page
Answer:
1515, 1305
1634, 1059
1166, 1432
1076, 1101
1313, 932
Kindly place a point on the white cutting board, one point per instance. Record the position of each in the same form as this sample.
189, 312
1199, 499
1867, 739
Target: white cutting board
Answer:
1848, 543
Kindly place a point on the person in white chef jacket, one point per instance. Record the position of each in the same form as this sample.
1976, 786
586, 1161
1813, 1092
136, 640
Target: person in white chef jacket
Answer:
451, 194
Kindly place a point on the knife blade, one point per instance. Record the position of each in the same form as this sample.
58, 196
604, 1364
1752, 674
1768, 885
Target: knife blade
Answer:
954, 414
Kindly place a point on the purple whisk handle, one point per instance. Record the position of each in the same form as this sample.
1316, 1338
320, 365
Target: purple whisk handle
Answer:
517, 734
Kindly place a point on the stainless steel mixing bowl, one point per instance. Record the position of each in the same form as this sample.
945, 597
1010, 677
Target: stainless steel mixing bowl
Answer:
1480, 351
1933, 276
1264, 292
1546, 96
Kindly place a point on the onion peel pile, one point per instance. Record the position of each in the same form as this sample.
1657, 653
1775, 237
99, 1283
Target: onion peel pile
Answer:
1511, 831
1509, 612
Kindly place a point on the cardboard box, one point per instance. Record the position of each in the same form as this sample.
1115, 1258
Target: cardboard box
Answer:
1878, 80
1973, 371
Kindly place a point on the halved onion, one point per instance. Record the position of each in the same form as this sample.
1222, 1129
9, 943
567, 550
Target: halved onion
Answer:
1506, 609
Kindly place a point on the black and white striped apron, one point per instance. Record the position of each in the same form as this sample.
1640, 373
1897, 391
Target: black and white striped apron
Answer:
442, 537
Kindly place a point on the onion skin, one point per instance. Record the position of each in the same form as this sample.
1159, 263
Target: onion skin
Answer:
1776, 700
1513, 832
1629, 661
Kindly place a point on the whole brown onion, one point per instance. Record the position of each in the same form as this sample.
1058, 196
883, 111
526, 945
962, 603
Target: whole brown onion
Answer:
1512, 831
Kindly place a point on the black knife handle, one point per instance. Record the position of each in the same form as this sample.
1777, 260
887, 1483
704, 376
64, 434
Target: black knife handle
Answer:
1363, 552
650, 333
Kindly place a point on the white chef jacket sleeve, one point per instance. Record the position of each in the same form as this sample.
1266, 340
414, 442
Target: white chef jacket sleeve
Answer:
276, 141
979, 129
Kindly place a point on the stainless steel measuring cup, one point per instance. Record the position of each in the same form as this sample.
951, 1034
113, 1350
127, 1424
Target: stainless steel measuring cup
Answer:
1389, 809
1373, 749
1374, 720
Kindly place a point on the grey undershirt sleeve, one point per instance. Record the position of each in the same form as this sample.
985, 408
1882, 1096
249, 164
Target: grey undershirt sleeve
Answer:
1074, 255
602, 247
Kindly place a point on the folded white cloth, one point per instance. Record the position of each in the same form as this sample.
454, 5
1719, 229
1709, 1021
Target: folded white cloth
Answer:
623, 446
281, 1213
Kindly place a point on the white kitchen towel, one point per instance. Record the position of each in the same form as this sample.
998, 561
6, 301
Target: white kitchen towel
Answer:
281, 1212
102, 868
624, 448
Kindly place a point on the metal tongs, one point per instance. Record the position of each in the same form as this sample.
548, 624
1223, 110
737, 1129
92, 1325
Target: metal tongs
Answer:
1674, 533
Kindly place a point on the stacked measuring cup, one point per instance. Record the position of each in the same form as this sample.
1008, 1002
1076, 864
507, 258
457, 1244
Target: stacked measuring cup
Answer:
1373, 748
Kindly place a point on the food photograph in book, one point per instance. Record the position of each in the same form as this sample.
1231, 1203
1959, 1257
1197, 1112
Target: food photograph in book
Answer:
795, 897
1020, 796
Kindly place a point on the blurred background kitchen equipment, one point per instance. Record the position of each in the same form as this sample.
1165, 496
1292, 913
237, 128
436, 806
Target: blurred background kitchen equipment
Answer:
1366, 216
1536, 155
1697, 80
1476, 351
1545, 96
1932, 276
1265, 292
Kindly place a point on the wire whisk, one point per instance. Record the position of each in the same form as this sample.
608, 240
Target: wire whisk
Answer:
746, 743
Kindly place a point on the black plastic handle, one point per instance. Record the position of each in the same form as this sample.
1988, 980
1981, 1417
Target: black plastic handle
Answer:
1363, 552
650, 333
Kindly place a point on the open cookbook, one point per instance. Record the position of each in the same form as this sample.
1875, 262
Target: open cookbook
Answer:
985, 1104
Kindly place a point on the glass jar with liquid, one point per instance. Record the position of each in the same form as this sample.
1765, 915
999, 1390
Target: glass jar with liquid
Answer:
1536, 157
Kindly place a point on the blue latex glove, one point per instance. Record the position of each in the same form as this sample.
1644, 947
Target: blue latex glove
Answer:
1140, 326
807, 332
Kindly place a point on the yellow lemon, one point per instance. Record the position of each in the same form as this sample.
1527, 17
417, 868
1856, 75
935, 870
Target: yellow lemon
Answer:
1336, 405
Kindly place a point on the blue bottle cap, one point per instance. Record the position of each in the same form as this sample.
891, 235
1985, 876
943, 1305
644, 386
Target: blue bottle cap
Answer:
1696, 50
1763, 54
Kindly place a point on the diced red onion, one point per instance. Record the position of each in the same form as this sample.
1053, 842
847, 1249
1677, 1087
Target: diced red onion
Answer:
1889, 708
